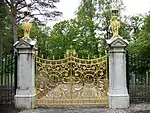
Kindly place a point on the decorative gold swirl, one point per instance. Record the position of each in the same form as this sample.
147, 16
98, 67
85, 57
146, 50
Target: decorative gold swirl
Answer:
71, 81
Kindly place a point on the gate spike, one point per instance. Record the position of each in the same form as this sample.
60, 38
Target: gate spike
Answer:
99, 55
88, 56
53, 57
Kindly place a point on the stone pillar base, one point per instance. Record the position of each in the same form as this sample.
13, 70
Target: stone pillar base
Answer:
25, 101
25, 97
118, 101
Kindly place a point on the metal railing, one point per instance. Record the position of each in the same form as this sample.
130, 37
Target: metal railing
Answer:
138, 78
8, 66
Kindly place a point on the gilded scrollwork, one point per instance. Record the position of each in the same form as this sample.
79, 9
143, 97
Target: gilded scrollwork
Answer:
71, 81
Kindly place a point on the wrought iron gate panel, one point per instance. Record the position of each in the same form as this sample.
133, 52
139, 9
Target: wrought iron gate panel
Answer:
71, 82
8, 66
138, 78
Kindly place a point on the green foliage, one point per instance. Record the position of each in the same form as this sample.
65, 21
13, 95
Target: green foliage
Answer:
39, 7
61, 37
78, 32
6, 69
87, 42
141, 46
84, 33
5, 30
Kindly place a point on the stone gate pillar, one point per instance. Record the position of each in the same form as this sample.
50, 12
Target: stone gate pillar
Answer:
25, 92
118, 94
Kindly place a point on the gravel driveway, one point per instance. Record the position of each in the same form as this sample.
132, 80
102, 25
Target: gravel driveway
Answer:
140, 108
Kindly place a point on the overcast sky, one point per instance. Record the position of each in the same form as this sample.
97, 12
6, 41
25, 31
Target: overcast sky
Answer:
132, 7
68, 7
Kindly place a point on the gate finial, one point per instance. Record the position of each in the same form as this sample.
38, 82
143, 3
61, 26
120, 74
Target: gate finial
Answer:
71, 52
115, 22
26, 26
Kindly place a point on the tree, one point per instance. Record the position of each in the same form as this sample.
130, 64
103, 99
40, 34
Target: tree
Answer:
78, 32
5, 30
62, 36
85, 32
41, 7
94, 16
141, 46
87, 41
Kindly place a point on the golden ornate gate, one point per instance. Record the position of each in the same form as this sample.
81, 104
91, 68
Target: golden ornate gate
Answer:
72, 82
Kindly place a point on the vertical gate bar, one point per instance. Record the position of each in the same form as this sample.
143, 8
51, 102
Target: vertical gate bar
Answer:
133, 64
141, 79
132, 76
2, 72
144, 79
71, 79
6, 79
127, 70
36, 104
11, 74
5, 71
146, 90
15, 72
5, 74
148, 83
53, 96
107, 67
136, 79
9, 68
132, 79
148, 76
107, 78
128, 73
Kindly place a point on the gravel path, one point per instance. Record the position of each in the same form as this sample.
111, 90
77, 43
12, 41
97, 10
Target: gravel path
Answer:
140, 108
8, 109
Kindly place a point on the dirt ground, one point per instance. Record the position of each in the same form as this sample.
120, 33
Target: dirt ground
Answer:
8, 109
12, 109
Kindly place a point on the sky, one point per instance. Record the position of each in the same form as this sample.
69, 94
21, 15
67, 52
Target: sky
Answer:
132, 7
68, 7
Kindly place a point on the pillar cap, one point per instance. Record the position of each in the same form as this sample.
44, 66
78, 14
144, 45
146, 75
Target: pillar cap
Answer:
26, 44
117, 42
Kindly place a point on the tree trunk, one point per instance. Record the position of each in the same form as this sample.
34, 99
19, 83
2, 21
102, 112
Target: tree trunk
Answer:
14, 26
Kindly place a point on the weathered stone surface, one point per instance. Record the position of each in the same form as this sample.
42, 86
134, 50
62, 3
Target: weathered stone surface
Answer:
25, 93
118, 94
